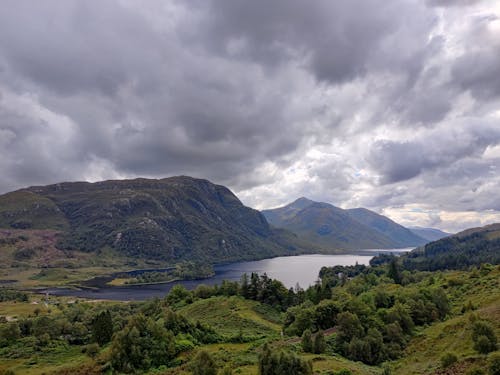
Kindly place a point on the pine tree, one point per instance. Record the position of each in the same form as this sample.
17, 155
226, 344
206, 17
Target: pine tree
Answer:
102, 327
319, 344
307, 344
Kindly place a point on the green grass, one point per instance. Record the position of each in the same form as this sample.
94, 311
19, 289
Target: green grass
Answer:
422, 356
47, 361
230, 316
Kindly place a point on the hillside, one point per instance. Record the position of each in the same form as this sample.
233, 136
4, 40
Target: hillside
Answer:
430, 234
169, 219
401, 236
470, 247
333, 227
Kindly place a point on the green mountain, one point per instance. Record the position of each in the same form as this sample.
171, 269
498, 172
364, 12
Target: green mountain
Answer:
400, 236
332, 227
470, 247
168, 219
430, 234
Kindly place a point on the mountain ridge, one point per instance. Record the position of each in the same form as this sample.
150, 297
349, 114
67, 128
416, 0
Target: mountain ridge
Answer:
171, 219
431, 234
330, 226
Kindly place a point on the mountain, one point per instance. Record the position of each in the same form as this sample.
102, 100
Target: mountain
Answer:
401, 236
430, 234
168, 219
332, 227
468, 248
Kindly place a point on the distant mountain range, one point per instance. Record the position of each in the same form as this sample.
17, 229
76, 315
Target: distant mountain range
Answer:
168, 219
430, 234
332, 227
180, 218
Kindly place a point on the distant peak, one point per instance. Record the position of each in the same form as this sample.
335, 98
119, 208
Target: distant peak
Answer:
302, 202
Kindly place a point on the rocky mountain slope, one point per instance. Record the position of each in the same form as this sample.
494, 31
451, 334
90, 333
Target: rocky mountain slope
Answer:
168, 219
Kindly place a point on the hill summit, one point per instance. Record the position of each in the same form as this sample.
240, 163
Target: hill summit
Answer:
333, 227
166, 219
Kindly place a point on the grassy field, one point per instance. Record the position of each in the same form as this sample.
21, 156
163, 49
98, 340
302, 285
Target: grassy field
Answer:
232, 316
454, 335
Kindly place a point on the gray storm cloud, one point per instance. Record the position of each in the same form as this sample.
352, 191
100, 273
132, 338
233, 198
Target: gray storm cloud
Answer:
353, 97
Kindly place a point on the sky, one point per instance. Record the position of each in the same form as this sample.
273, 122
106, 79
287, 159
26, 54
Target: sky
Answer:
391, 105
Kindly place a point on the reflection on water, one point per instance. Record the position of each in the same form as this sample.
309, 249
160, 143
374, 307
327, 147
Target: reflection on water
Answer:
301, 269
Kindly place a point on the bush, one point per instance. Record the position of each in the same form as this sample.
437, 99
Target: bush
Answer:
91, 349
203, 364
319, 344
448, 359
475, 371
494, 364
282, 363
307, 344
483, 335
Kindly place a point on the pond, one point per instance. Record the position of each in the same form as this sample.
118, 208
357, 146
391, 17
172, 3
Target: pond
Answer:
291, 270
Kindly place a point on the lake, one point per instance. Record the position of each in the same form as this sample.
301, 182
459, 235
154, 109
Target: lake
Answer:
290, 270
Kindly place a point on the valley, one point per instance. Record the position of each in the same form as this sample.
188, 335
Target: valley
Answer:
180, 271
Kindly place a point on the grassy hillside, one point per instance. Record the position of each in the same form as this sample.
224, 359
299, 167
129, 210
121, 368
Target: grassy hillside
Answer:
167, 220
475, 296
401, 236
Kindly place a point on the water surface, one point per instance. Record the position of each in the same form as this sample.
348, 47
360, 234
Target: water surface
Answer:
291, 270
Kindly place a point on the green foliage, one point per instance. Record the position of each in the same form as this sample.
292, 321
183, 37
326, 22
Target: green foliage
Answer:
282, 363
172, 219
102, 327
12, 295
494, 364
319, 344
307, 343
448, 359
203, 364
394, 271
91, 349
177, 294
476, 371
9, 332
484, 337
142, 344
193, 270
457, 252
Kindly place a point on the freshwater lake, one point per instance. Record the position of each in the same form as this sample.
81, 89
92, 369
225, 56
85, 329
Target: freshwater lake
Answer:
290, 270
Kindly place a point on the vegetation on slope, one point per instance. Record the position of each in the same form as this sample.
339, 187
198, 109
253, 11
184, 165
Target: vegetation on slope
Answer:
332, 227
471, 247
170, 219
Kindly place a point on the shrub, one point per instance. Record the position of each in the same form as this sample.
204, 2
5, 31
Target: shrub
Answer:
91, 349
307, 344
494, 364
203, 364
484, 337
448, 359
319, 344
282, 363
475, 371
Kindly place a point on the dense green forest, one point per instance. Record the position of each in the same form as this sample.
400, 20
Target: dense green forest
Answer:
355, 316
471, 247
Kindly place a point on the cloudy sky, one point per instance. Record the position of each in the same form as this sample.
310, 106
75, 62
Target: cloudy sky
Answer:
392, 105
